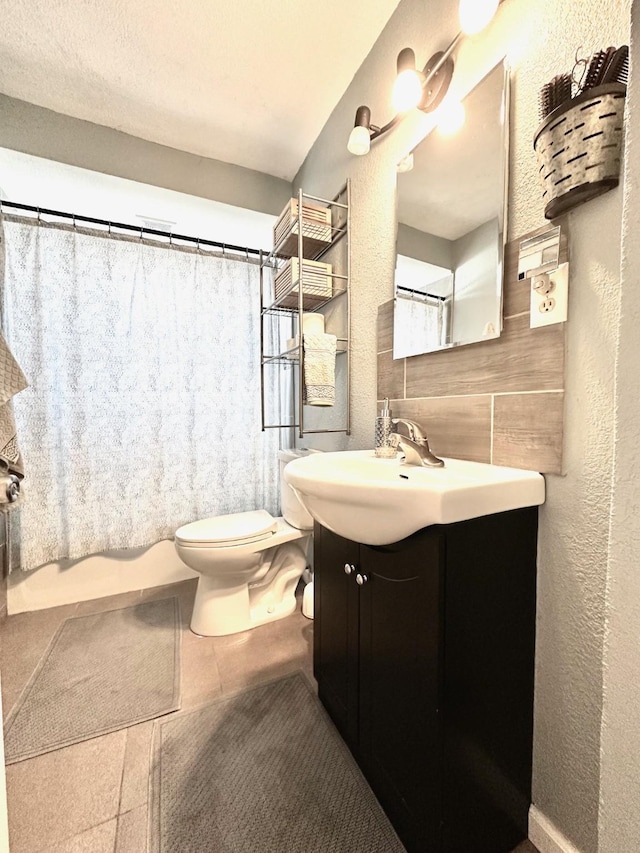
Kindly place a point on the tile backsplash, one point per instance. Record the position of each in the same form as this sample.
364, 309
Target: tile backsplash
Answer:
499, 401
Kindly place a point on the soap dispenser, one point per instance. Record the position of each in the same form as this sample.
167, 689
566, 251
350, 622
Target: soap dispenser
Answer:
384, 427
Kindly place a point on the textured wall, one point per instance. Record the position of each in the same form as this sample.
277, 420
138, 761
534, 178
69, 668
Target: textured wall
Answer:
541, 38
620, 778
44, 133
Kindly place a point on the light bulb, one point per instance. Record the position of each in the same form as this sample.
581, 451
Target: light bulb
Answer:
407, 90
450, 117
476, 14
359, 141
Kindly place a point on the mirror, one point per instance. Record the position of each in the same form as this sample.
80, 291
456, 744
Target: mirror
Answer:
451, 227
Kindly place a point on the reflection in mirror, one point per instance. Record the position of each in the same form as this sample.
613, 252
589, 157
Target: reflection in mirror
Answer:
451, 225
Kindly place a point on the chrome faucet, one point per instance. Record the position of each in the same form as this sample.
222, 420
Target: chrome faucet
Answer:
414, 445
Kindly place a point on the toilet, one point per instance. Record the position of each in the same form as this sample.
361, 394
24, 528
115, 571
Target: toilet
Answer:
249, 562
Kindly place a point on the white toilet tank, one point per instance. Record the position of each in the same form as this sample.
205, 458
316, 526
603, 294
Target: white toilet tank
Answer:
292, 510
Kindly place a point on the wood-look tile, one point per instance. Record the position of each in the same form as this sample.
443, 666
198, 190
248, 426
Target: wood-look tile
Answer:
456, 426
527, 431
522, 359
385, 326
390, 376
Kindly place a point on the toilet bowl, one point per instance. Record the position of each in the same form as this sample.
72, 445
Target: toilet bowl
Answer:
249, 563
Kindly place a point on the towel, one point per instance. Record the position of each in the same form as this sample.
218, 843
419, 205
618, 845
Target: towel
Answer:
319, 369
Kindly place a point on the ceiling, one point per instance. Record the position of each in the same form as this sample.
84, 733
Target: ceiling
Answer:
246, 82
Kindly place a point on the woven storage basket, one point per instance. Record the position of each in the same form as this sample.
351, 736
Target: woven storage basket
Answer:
579, 147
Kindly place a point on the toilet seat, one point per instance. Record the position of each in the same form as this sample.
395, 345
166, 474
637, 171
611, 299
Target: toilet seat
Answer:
225, 531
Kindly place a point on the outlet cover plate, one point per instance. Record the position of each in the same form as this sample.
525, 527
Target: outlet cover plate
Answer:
549, 297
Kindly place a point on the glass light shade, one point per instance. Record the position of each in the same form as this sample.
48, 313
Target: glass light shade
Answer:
406, 164
407, 90
450, 117
359, 141
476, 14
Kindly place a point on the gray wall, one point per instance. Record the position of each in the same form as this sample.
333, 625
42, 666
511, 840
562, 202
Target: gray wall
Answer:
476, 277
424, 247
43, 133
620, 790
541, 37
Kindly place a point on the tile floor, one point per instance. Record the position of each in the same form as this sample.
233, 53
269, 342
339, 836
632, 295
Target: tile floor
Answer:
92, 797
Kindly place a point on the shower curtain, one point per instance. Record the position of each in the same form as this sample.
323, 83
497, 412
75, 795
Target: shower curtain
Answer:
144, 407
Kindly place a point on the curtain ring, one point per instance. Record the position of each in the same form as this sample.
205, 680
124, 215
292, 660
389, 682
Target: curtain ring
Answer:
109, 231
224, 250
141, 230
39, 216
170, 238
247, 253
75, 226
198, 245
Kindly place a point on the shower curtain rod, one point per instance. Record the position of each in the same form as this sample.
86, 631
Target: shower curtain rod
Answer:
420, 292
141, 230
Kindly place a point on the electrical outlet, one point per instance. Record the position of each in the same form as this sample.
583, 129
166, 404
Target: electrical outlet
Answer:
549, 297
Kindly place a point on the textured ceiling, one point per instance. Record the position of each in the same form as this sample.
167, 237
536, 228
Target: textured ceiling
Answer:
244, 81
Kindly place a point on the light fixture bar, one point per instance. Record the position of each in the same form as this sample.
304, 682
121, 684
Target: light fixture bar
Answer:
440, 65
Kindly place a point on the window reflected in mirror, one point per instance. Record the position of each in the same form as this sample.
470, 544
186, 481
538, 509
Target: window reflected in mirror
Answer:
451, 227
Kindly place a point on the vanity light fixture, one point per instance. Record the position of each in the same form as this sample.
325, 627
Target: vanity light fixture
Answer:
424, 89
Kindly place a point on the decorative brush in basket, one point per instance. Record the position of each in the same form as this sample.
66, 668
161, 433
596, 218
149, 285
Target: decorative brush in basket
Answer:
578, 147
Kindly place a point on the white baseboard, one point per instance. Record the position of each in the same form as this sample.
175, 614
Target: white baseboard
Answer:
95, 577
547, 837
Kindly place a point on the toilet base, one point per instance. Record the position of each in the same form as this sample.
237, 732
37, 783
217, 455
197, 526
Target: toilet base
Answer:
222, 607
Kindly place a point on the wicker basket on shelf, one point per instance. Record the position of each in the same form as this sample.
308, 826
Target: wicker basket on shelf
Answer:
578, 147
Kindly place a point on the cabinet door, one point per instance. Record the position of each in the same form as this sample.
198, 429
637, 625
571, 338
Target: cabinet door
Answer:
336, 624
400, 671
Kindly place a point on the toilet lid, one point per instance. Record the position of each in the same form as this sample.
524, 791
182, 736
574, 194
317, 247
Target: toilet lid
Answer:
238, 528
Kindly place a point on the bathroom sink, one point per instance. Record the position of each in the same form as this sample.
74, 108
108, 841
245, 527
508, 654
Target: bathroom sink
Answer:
379, 501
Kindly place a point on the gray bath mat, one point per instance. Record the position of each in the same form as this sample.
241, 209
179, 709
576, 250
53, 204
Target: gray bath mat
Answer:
261, 772
101, 673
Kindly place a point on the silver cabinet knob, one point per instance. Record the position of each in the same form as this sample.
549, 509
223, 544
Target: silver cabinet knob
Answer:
361, 579
348, 568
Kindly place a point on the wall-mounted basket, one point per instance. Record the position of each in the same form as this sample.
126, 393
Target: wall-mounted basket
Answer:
578, 147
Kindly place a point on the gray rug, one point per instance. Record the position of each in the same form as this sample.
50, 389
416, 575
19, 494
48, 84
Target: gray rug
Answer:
101, 673
261, 772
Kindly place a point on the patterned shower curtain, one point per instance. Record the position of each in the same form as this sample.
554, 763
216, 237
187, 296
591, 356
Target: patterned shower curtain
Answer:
144, 406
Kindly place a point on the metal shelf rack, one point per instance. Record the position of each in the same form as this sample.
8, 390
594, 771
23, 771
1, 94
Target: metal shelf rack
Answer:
306, 290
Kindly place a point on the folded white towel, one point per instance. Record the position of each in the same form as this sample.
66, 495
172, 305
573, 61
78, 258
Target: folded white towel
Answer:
319, 369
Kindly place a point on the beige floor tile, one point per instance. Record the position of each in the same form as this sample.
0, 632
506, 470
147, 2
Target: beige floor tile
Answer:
99, 839
200, 679
109, 602
264, 653
181, 588
132, 831
135, 775
75, 789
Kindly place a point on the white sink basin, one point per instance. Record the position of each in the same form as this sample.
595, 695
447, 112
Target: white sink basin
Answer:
379, 501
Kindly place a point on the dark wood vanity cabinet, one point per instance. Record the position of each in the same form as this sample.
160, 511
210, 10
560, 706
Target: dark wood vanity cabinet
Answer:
424, 656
